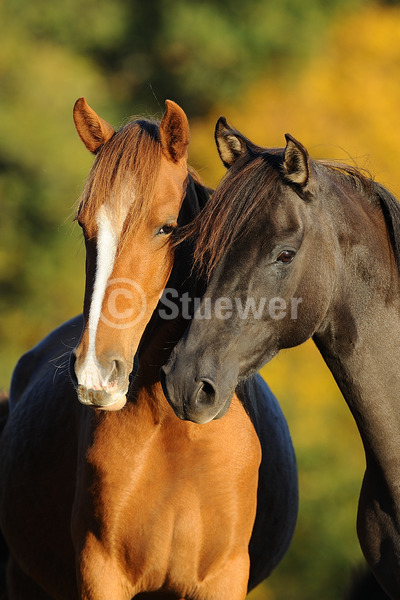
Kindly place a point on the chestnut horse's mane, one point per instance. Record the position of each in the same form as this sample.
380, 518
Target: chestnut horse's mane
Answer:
241, 198
125, 170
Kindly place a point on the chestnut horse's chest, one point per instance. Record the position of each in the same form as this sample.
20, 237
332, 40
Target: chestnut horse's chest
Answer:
168, 501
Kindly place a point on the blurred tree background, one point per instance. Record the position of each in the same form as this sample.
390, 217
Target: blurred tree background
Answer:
327, 71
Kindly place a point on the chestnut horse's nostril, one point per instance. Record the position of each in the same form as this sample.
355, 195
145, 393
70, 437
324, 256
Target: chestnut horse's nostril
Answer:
72, 374
93, 373
114, 373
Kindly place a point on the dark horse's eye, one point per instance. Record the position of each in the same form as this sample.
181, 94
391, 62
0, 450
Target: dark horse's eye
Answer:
166, 229
286, 256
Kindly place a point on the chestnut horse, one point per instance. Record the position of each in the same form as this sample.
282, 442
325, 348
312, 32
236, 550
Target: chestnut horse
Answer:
102, 503
315, 248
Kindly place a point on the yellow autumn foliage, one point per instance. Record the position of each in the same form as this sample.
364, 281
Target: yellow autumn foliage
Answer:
343, 105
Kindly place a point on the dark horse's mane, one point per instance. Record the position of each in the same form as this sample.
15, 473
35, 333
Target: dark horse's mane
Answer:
243, 193
378, 195
391, 211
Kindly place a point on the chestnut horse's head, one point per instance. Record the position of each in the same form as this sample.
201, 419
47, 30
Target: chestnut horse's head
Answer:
128, 211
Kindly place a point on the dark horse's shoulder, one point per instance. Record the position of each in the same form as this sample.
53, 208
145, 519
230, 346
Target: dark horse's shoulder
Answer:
262, 406
49, 356
277, 494
268, 420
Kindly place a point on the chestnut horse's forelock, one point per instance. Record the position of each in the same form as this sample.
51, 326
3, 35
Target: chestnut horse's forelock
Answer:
125, 170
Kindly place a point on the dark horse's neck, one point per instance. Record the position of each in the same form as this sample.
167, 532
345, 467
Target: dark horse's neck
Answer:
359, 341
165, 329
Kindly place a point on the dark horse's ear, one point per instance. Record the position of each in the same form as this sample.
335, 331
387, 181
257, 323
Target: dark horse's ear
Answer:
92, 130
230, 143
296, 162
174, 132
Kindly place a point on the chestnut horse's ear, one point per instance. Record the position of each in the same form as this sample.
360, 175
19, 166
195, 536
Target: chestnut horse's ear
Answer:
174, 132
92, 130
230, 143
296, 162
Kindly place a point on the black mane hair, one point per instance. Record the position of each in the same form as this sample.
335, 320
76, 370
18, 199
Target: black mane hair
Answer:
250, 182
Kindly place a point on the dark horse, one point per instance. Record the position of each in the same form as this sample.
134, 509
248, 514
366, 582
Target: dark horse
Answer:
311, 249
101, 503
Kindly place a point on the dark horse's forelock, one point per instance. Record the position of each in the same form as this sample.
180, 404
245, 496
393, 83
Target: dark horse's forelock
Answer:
242, 197
232, 209
124, 172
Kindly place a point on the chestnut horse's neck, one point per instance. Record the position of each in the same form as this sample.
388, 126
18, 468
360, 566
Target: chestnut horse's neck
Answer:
359, 341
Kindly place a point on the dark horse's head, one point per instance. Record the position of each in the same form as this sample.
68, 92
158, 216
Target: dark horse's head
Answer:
272, 241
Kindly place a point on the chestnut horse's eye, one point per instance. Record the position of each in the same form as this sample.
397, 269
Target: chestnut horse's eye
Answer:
167, 229
286, 256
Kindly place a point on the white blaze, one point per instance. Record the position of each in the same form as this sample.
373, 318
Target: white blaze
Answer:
107, 241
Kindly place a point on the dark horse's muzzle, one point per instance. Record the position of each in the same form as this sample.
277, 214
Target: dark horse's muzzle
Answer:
195, 395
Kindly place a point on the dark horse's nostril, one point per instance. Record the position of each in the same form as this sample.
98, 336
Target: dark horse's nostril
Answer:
208, 388
206, 392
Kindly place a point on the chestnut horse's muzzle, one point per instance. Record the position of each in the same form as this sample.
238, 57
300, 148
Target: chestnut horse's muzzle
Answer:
103, 387
100, 398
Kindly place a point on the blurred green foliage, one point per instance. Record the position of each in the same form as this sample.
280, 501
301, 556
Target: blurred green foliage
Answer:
270, 67
201, 52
